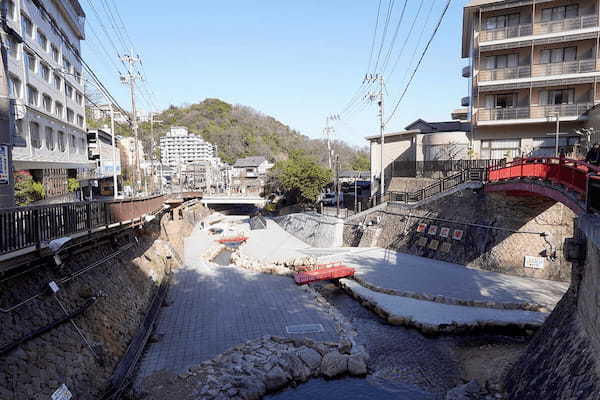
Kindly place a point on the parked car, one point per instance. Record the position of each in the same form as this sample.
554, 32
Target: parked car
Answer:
330, 199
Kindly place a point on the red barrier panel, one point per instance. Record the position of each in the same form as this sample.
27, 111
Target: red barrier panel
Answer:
323, 274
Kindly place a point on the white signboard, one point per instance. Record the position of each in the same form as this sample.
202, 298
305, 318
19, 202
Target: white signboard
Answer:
62, 393
534, 262
4, 165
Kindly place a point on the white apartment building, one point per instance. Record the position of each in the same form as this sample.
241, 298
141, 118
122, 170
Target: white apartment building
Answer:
180, 146
45, 79
531, 63
103, 111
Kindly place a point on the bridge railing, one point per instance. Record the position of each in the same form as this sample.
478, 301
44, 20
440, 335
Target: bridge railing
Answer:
573, 174
23, 227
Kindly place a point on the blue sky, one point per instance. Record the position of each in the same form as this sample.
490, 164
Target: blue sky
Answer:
298, 61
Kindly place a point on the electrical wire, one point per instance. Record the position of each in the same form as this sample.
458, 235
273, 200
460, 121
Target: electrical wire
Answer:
439, 22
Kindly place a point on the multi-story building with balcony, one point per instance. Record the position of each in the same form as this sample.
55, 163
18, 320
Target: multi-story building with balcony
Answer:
180, 146
533, 65
45, 80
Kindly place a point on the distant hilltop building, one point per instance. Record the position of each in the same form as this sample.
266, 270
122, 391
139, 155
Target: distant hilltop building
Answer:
102, 111
180, 146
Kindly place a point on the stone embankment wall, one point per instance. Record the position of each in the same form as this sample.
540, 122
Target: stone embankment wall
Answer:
563, 359
313, 229
123, 287
499, 230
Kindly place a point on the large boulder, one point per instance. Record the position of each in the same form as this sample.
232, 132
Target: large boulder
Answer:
357, 364
334, 363
295, 367
310, 357
276, 379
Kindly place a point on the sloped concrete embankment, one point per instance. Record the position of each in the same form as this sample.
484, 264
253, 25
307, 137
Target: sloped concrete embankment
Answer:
498, 232
563, 359
122, 288
314, 229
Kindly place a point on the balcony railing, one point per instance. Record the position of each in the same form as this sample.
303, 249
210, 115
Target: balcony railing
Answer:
570, 24
533, 112
505, 33
505, 73
582, 22
569, 67
526, 71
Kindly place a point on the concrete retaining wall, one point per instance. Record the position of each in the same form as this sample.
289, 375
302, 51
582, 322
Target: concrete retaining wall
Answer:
498, 232
313, 229
563, 359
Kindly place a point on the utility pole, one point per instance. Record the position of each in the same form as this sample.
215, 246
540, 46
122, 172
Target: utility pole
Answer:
130, 79
114, 151
7, 183
329, 132
337, 183
378, 96
152, 122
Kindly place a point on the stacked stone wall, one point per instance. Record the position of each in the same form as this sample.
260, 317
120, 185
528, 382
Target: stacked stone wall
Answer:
499, 230
123, 288
563, 359
313, 229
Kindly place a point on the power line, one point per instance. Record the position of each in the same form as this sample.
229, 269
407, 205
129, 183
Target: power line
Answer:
374, 37
385, 28
437, 26
391, 48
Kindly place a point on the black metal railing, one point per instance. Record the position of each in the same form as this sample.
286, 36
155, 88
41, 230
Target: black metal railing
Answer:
436, 168
443, 185
23, 227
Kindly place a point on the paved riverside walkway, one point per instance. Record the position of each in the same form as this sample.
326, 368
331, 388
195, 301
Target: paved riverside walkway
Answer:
388, 269
213, 308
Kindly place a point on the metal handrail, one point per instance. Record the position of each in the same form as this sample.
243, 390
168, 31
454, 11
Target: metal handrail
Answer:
537, 111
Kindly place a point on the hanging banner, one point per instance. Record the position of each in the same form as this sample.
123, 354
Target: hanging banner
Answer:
4, 177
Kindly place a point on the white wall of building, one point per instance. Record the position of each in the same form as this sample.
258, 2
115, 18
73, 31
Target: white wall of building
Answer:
181, 146
54, 139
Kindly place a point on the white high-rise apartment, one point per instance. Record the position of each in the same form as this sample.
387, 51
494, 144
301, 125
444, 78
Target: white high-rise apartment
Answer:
180, 146
532, 62
45, 79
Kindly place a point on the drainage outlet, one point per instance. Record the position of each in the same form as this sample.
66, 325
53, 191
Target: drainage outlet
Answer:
306, 328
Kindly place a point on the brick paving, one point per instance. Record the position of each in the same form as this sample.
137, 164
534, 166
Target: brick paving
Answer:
214, 308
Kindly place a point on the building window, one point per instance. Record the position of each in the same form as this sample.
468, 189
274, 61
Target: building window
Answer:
30, 61
58, 109
26, 26
72, 147
57, 82
500, 148
13, 47
557, 96
560, 13
70, 115
49, 138
560, 55
55, 54
61, 141
34, 132
14, 87
66, 65
42, 40
502, 21
32, 96
47, 103
78, 76
80, 120
69, 91
501, 61
79, 98
19, 128
45, 71
504, 100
